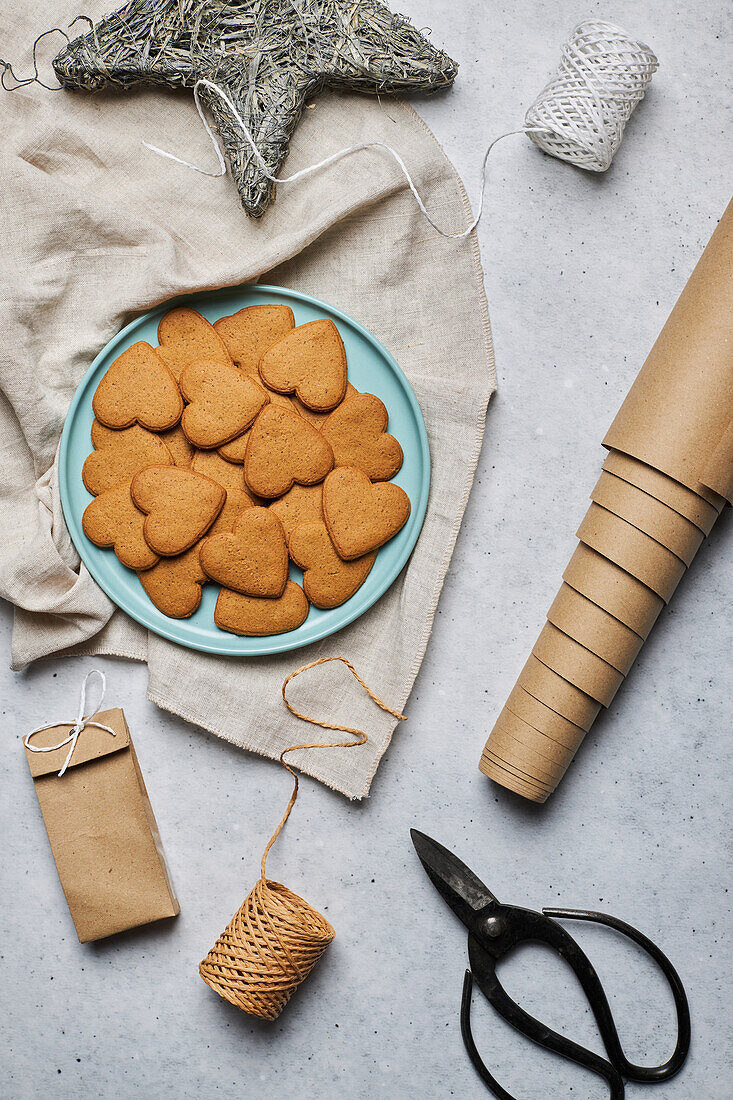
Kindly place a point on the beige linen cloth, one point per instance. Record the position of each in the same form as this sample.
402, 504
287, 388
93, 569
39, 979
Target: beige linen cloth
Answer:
97, 229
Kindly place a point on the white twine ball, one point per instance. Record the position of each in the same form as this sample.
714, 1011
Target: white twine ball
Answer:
581, 114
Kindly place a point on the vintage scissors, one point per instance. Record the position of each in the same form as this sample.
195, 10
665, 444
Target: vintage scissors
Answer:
494, 929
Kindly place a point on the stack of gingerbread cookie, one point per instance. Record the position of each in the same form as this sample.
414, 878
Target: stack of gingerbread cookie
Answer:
231, 449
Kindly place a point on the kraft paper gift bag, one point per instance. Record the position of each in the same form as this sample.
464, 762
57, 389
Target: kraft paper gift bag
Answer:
101, 826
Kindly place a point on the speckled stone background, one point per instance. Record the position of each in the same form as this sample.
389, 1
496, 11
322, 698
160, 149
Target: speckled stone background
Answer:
581, 272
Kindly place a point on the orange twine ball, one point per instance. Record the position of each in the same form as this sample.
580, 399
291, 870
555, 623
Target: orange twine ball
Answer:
275, 938
268, 948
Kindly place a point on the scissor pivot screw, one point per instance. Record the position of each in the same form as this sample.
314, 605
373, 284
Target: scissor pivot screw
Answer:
494, 927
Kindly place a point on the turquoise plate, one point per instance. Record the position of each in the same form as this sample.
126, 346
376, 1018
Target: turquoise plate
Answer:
371, 368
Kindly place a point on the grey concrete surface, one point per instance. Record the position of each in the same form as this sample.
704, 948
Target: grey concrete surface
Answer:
581, 272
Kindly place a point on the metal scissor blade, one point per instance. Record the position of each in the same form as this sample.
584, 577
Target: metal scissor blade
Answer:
454, 881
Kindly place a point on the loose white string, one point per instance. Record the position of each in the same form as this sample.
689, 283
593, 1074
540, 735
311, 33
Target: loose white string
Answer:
347, 151
579, 116
78, 726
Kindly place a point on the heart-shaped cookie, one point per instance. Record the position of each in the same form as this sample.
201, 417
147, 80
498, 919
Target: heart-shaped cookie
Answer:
180, 506
283, 449
299, 505
318, 419
357, 432
361, 517
113, 520
179, 447
175, 584
222, 402
184, 335
253, 559
171, 360
236, 502
211, 464
138, 388
249, 333
119, 455
235, 449
309, 362
254, 617
327, 580
230, 477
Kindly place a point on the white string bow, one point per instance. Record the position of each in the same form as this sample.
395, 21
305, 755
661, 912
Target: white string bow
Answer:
78, 726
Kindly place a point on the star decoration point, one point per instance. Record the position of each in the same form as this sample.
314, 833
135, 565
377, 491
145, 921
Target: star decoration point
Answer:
271, 57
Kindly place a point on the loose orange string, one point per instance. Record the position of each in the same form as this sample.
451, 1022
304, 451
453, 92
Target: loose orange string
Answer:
359, 734
275, 938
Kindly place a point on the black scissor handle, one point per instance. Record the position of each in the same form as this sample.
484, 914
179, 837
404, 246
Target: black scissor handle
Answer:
610, 1036
468, 1041
483, 969
513, 926
533, 1029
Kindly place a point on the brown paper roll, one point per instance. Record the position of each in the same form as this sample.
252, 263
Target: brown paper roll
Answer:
594, 628
508, 725
649, 515
575, 663
650, 562
525, 758
718, 472
524, 777
699, 511
547, 722
558, 693
672, 440
679, 409
511, 782
612, 588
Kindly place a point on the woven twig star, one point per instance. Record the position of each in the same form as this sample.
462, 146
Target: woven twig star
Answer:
269, 56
